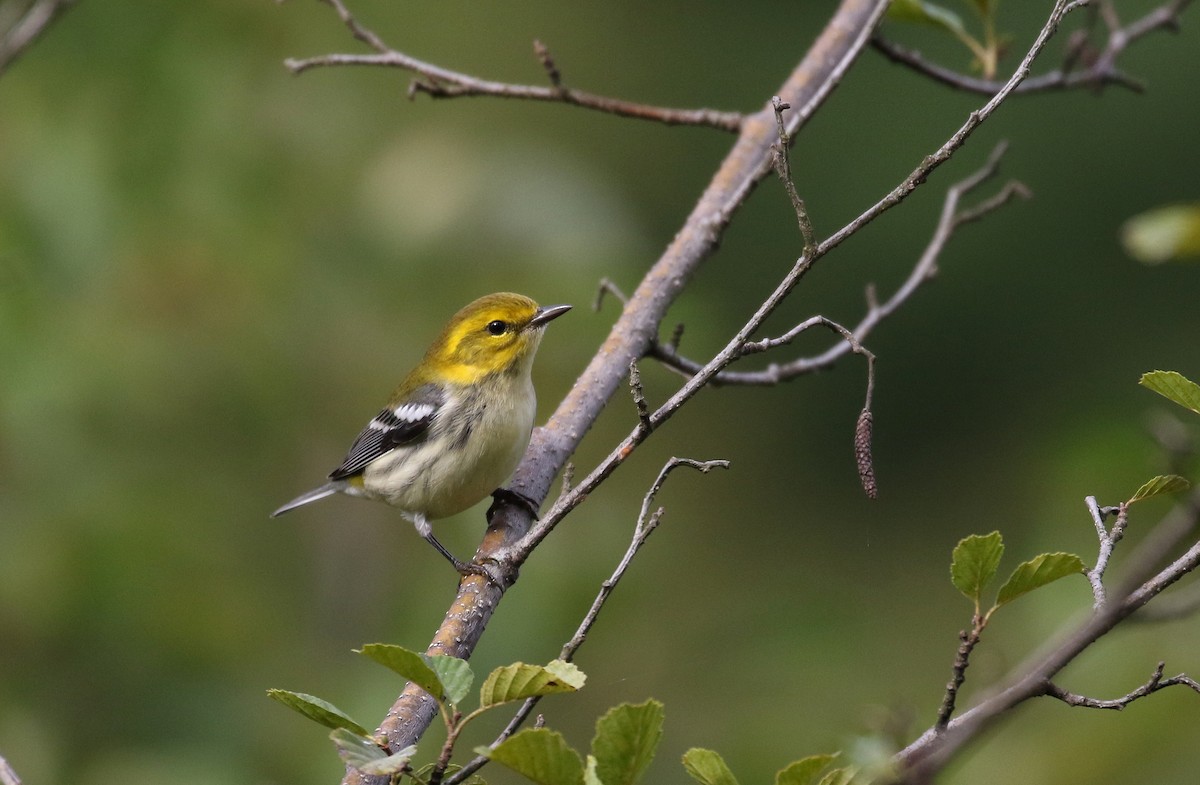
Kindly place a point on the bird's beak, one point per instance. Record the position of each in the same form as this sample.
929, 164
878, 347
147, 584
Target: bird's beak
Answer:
548, 313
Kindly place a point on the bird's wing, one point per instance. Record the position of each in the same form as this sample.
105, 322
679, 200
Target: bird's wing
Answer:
395, 426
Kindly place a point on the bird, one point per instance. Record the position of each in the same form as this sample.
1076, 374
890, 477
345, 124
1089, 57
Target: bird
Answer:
455, 429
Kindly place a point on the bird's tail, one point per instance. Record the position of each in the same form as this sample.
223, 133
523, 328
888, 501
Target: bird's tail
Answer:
328, 489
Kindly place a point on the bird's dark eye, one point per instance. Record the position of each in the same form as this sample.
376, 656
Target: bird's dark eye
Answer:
497, 327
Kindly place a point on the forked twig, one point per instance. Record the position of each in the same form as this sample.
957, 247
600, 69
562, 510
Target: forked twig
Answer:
1153, 685
647, 522
438, 82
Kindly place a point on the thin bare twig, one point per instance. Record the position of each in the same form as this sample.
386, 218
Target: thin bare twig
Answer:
647, 522
1155, 683
438, 82
1108, 540
783, 168
28, 26
924, 270
1099, 67
967, 641
1183, 604
639, 396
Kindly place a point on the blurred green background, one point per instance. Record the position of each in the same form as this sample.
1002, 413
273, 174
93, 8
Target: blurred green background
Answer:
211, 271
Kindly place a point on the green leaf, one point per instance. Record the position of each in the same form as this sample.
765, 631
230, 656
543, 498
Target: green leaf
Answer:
707, 767
1174, 386
318, 710
804, 771
454, 674
590, 777
625, 742
409, 664
539, 754
520, 681
987, 8
1163, 234
367, 756
974, 563
1163, 483
841, 776
1037, 572
923, 12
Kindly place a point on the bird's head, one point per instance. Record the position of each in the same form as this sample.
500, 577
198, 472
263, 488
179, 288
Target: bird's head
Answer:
496, 333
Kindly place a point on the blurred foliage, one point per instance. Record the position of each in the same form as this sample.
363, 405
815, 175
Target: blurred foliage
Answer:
210, 270
1163, 234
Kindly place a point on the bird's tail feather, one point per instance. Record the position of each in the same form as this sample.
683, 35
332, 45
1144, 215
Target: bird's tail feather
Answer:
328, 489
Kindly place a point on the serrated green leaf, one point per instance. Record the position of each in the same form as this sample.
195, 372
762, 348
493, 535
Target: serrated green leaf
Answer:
707, 767
318, 710
567, 672
356, 749
539, 754
367, 756
1164, 483
520, 681
804, 771
974, 563
626, 739
1174, 386
1037, 572
409, 664
454, 674
1163, 234
923, 12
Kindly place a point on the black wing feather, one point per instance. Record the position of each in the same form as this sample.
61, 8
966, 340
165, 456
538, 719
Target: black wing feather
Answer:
405, 424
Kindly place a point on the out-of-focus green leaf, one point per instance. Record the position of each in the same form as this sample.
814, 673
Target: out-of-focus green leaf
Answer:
455, 675
974, 563
1163, 234
926, 13
841, 776
707, 767
590, 777
987, 8
541, 755
626, 739
804, 771
318, 710
1163, 483
520, 681
1175, 386
409, 664
367, 756
1037, 572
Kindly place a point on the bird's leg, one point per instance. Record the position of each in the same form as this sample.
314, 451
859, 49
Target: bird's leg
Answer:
463, 568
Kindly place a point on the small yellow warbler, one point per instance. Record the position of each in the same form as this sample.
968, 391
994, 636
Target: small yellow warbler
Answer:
456, 427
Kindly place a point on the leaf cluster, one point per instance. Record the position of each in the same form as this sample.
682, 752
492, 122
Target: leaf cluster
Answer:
448, 680
986, 52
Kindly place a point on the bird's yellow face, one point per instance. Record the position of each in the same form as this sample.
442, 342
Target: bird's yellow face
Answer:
496, 333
